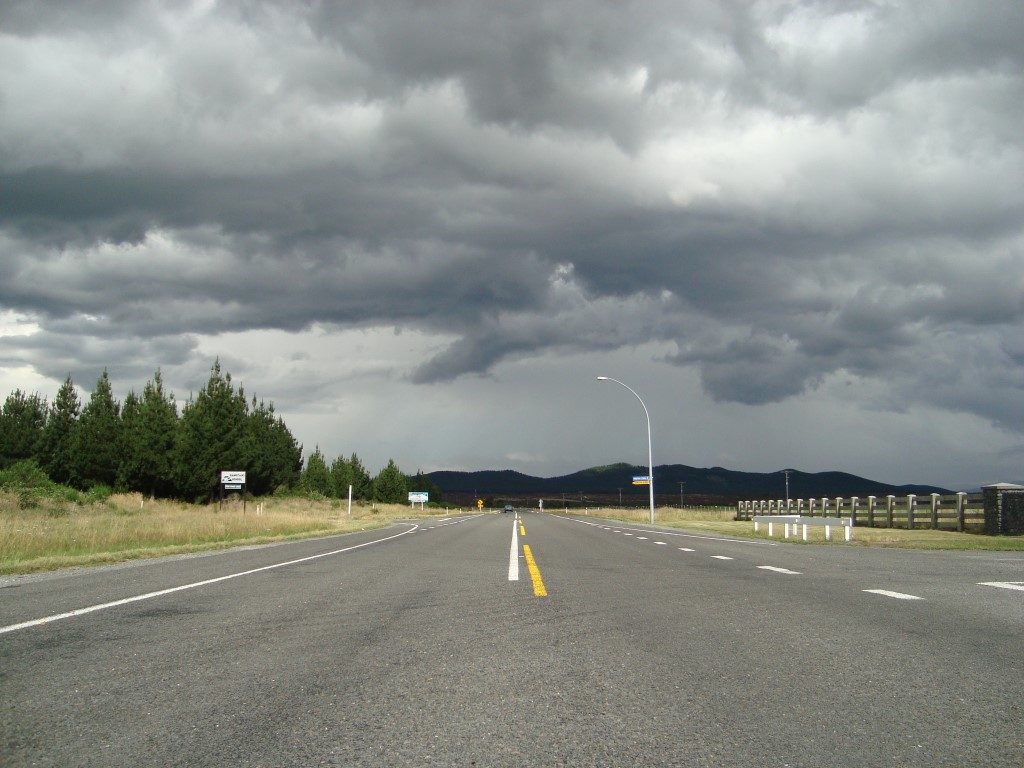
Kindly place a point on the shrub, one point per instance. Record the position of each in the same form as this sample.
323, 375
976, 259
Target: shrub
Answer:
98, 494
25, 474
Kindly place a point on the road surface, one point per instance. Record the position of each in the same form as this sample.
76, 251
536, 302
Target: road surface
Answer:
426, 644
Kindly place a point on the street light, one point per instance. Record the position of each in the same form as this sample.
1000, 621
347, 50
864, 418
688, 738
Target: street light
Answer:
650, 457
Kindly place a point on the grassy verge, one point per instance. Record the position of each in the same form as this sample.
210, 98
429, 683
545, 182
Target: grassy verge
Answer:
56, 533
721, 522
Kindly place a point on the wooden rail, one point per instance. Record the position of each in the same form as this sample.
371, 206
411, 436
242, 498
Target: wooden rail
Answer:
957, 511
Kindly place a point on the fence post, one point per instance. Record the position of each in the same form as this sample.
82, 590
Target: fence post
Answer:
799, 506
854, 501
839, 506
911, 503
961, 502
935, 511
871, 511
810, 507
889, 502
824, 506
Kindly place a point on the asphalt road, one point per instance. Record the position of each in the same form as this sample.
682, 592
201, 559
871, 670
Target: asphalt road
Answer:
649, 648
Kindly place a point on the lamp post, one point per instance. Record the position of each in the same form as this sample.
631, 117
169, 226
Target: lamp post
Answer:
650, 456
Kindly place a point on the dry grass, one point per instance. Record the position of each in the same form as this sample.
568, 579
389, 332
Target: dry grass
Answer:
58, 534
721, 522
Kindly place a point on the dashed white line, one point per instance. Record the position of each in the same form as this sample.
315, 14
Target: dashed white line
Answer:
686, 549
642, 538
627, 534
721, 557
888, 593
1017, 585
776, 569
662, 543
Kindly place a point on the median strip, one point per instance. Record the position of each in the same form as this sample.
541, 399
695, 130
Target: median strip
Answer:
539, 589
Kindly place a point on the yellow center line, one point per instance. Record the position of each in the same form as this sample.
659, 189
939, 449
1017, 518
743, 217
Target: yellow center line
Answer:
531, 564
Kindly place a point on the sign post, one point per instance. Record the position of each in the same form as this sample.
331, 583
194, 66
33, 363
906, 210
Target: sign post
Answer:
232, 480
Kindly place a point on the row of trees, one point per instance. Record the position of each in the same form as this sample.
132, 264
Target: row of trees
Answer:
390, 486
143, 444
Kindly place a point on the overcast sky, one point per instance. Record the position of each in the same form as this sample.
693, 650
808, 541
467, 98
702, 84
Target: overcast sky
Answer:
423, 229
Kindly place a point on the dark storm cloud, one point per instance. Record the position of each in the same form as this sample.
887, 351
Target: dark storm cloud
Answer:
784, 191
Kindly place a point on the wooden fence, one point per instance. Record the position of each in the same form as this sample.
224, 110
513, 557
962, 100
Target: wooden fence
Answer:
957, 511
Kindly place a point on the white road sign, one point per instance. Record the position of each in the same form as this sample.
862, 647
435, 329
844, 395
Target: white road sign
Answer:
232, 477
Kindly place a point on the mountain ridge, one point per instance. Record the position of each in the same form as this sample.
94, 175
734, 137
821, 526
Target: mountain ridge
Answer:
719, 483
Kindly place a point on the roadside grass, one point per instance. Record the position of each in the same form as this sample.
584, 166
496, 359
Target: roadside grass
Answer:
56, 533
721, 522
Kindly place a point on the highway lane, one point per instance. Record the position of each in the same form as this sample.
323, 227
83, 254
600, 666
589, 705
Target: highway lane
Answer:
420, 651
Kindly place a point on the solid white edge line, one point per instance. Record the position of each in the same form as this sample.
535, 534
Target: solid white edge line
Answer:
897, 595
513, 553
158, 593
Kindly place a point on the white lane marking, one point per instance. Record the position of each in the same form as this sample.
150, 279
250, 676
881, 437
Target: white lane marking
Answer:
778, 570
758, 542
686, 549
513, 553
641, 538
193, 585
1017, 585
627, 534
721, 557
616, 531
443, 519
662, 543
897, 595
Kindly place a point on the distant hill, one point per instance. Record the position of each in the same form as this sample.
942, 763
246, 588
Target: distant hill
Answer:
702, 485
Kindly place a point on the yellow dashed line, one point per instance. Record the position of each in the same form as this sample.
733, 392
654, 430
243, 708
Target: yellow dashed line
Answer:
538, 582
522, 529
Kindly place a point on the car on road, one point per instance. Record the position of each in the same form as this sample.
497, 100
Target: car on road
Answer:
508, 508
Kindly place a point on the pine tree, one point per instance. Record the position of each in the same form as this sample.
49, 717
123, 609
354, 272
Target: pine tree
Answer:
158, 429
315, 477
389, 486
22, 419
341, 477
130, 462
270, 454
97, 439
362, 485
210, 437
56, 448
